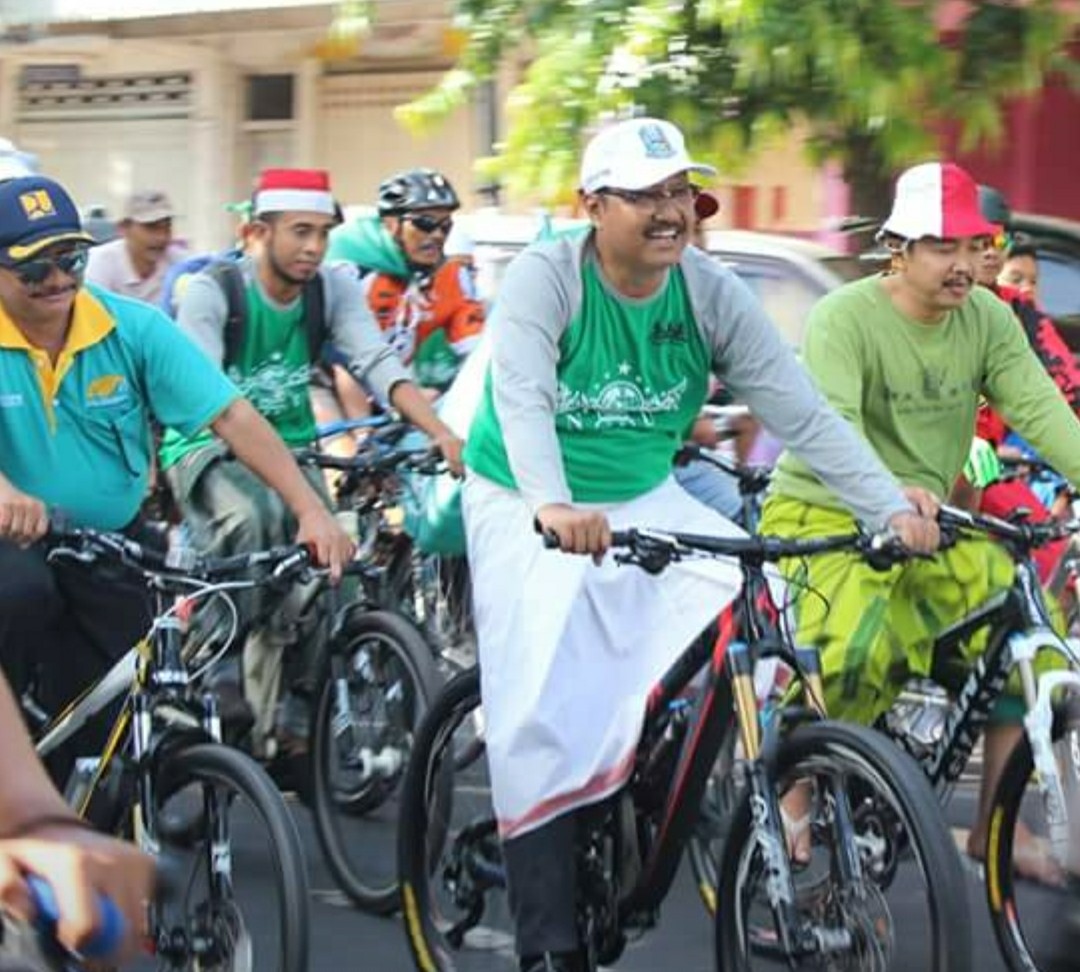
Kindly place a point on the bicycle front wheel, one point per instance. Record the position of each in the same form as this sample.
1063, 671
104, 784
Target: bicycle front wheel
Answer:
1027, 911
224, 823
378, 679
906, 907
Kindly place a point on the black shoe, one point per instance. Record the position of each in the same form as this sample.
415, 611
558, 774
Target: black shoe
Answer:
554, 962
291, 773
235, 712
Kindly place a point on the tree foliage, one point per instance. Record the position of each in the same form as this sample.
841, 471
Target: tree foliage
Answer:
871, 81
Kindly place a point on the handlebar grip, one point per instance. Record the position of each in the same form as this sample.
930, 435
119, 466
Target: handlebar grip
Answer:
110, 931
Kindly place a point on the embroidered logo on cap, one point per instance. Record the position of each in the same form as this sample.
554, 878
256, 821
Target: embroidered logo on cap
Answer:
37, 204
656, 142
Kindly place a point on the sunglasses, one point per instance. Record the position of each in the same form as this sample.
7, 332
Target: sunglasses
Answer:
32, 272
429, 224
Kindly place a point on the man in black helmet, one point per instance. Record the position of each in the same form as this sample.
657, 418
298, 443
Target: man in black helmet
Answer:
427, 306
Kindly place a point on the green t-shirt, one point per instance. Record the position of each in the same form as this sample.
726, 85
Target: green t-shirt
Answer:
272, 371
632, 376
912, 389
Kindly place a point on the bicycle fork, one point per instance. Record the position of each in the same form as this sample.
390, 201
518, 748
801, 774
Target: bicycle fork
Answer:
796, 937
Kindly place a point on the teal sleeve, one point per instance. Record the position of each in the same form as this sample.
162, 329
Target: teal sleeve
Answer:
187, 391
1018, 386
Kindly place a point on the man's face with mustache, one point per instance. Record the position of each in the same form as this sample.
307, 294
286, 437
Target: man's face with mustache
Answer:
939, 274
647, 229
44, 303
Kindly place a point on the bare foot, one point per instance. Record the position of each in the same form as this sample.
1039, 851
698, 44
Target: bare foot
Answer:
1033, 859
795, 810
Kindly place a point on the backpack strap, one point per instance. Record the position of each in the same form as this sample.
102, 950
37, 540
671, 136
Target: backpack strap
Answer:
230, 279
315, 327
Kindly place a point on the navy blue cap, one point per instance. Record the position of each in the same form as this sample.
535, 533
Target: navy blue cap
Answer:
35, 213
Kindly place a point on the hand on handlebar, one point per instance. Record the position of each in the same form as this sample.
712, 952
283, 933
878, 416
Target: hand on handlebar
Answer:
451, 448
23, 519
80, 865
578, 531
324, 536
917, 532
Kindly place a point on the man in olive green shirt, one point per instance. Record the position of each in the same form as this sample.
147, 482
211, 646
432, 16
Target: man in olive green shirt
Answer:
904, 356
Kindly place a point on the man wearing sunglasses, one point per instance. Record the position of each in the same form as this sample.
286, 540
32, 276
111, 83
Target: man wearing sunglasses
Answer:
602, 346
82, 374
426, 305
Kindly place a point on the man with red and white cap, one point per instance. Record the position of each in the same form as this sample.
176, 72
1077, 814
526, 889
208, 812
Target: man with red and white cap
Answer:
265, 319
905, 357
602, 346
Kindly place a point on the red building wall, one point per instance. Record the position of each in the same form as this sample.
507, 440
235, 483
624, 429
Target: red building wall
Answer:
1037, 165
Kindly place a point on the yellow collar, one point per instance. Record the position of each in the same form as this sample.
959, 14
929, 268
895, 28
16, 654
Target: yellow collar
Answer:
90, 323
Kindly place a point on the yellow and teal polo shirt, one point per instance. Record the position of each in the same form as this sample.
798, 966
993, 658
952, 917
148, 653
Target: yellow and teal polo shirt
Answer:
75, 433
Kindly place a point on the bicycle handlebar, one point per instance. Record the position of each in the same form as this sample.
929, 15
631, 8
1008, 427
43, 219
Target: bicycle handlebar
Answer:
653, 550
1027, 534
105, 940
282, 563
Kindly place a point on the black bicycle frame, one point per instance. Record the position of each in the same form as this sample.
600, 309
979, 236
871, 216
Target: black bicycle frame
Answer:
745, 630
1020, 608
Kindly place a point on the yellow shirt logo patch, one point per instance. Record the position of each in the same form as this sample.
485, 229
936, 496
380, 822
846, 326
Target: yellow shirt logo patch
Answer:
104, 387
37, 204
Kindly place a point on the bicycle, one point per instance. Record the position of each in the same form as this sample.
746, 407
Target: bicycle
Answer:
374, 679
165, 779
378, 493
834, 913
1048, 756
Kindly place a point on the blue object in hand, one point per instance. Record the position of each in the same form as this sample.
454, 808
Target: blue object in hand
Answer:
106, 939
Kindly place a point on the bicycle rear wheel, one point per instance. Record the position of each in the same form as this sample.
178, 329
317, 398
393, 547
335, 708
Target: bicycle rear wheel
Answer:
226, 826
908, 910
449, 855
1030, 916
377, 681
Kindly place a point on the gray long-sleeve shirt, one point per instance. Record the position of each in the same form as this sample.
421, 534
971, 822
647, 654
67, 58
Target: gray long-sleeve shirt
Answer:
352, 327
542, 292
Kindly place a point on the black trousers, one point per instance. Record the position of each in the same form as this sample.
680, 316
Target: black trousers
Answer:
61, 626
541, 871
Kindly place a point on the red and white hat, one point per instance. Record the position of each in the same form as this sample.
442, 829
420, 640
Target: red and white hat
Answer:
293, 190
937, 199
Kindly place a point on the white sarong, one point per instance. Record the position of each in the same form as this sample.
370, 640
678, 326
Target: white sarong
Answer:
569, 650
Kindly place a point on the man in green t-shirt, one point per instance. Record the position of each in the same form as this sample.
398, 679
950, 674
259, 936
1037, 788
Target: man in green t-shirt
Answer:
602, 345
229, 511
904, 357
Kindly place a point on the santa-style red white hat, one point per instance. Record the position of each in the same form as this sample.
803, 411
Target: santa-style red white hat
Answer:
293, 190
937, 199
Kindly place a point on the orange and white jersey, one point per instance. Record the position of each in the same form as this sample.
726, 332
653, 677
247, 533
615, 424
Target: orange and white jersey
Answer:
409, 313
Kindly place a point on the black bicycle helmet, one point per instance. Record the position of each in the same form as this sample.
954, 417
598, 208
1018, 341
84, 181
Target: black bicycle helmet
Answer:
993, 206
414, 190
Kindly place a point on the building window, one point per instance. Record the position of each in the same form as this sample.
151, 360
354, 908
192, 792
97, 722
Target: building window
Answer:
270, 97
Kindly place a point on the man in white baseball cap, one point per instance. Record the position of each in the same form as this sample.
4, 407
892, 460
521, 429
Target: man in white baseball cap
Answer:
602, 346
905, 356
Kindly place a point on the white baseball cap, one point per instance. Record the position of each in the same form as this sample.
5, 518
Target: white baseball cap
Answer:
635, 154
937, 199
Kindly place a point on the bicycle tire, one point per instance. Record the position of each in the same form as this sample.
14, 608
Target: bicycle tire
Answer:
224, 767
1006, 916
419, 842
331, 806
717, 807
909, 794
